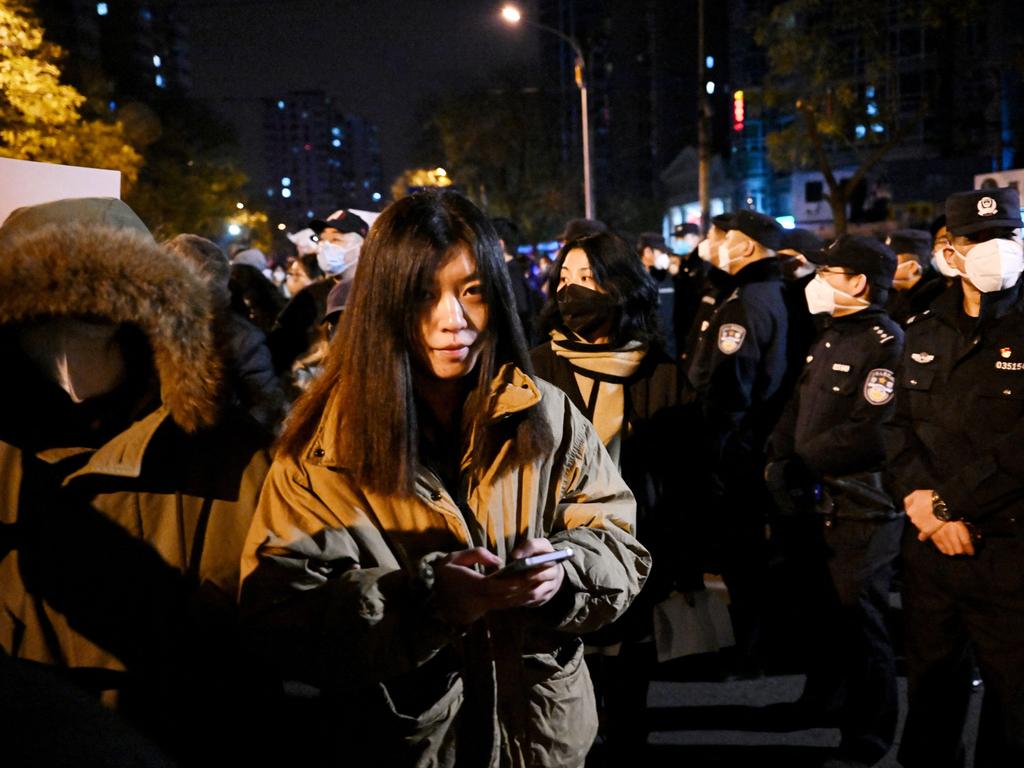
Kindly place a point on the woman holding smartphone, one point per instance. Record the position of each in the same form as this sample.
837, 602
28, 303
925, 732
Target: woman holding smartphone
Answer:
424, 459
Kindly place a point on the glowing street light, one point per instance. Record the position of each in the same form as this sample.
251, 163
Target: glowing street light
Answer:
234, 230
512, 15
240, 206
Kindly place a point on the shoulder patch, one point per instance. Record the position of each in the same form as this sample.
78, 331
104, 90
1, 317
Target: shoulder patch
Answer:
879, 386
730, 338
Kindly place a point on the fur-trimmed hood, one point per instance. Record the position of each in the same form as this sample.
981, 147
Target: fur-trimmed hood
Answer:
119, 273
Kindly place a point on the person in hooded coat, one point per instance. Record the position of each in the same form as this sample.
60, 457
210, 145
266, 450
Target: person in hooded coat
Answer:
126, 489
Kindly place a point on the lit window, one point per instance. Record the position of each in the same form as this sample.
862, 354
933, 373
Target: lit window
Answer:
286, 193
860, 131
159, 80
102, 9
335, 131
710, 87
286, 181
709, 62
156, 60
872, 108
280, 105
234, 230
870, 91
112, 106
336, 143
376, 197
877, 128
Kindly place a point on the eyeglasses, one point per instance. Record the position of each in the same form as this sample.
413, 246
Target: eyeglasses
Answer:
833, 271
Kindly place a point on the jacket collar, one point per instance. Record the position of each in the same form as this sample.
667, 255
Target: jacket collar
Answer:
758, 271
121, 456
994, 305
871, 314
510, 391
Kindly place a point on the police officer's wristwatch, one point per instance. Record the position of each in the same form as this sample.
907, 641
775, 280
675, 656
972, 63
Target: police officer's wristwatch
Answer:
940, 510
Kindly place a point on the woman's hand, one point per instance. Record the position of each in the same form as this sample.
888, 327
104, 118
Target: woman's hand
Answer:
537, 585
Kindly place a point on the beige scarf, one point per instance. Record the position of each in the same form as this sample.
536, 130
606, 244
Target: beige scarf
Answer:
609, 401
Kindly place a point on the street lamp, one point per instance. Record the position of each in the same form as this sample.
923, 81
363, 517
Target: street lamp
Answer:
512, 15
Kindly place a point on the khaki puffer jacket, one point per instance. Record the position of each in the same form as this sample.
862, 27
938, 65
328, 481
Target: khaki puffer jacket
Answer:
120, 545
332, 576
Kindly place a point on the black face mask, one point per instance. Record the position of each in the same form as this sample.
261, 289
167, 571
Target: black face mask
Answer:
585, 311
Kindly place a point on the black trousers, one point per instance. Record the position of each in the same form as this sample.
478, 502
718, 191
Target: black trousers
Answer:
841, 571
952, 605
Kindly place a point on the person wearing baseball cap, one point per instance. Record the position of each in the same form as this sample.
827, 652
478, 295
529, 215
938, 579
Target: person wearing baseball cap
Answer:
738, 375
826, 456
955, 460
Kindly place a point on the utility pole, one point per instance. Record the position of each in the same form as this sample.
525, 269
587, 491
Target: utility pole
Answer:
703, 127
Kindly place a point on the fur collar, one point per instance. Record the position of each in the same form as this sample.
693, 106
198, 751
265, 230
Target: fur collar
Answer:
122, 275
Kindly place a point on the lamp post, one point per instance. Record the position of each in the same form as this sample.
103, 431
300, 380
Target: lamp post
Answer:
512, 15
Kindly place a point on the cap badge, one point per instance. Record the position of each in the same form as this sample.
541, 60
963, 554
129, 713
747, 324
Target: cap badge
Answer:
1005, 352
922, 357
987, 206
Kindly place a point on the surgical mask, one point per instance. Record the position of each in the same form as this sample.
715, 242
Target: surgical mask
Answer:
725, 257
661, 260
704, 250
993, 265
585, 311
941, 265
334, 259
821, 297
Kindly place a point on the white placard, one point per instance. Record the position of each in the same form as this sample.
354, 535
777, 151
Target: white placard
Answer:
23, 182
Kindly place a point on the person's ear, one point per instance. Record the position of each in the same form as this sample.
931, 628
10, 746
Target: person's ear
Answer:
860, 286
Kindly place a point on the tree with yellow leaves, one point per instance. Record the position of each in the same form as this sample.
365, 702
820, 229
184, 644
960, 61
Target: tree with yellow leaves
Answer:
40, 117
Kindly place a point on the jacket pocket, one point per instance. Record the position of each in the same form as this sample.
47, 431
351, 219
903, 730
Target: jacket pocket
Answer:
420, 727
563, 716
998, 405
918, 389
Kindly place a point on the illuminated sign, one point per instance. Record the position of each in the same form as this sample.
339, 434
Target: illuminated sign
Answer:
738, 111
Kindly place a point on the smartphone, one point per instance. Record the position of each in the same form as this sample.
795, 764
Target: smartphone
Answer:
534, 561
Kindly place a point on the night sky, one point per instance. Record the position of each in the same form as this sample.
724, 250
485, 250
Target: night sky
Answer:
379, 57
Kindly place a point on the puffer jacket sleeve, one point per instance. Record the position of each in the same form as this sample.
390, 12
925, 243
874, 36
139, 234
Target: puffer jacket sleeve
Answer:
596, 516
317, 600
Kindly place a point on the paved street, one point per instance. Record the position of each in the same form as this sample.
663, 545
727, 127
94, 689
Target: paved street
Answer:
730, 725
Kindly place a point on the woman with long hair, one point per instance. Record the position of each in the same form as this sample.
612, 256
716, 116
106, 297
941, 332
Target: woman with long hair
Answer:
605, 352
423, 460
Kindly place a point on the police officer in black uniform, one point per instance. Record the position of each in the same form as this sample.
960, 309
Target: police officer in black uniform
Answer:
713, 286
737, 375
841, 529
916, 284
956, 455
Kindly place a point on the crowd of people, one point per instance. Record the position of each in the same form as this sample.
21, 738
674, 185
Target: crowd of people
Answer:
415, 499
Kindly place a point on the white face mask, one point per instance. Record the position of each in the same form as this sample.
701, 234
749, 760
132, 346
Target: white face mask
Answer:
941, 265
725, 257
661, 260
704, 250
335, 259
993, 265
906, 276
821, 297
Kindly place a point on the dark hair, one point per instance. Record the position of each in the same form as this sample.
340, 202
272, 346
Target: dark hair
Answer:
310, 265
371, 360
206, 256
616, 268
508, 232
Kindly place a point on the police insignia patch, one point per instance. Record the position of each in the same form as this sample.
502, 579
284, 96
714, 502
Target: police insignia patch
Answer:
987, 207
730, 337
879, 386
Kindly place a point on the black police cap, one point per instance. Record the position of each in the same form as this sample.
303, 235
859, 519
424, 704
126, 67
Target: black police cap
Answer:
684, 229
723, 221
860, 255
758, 227
979, 209
915, 241
803, 241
